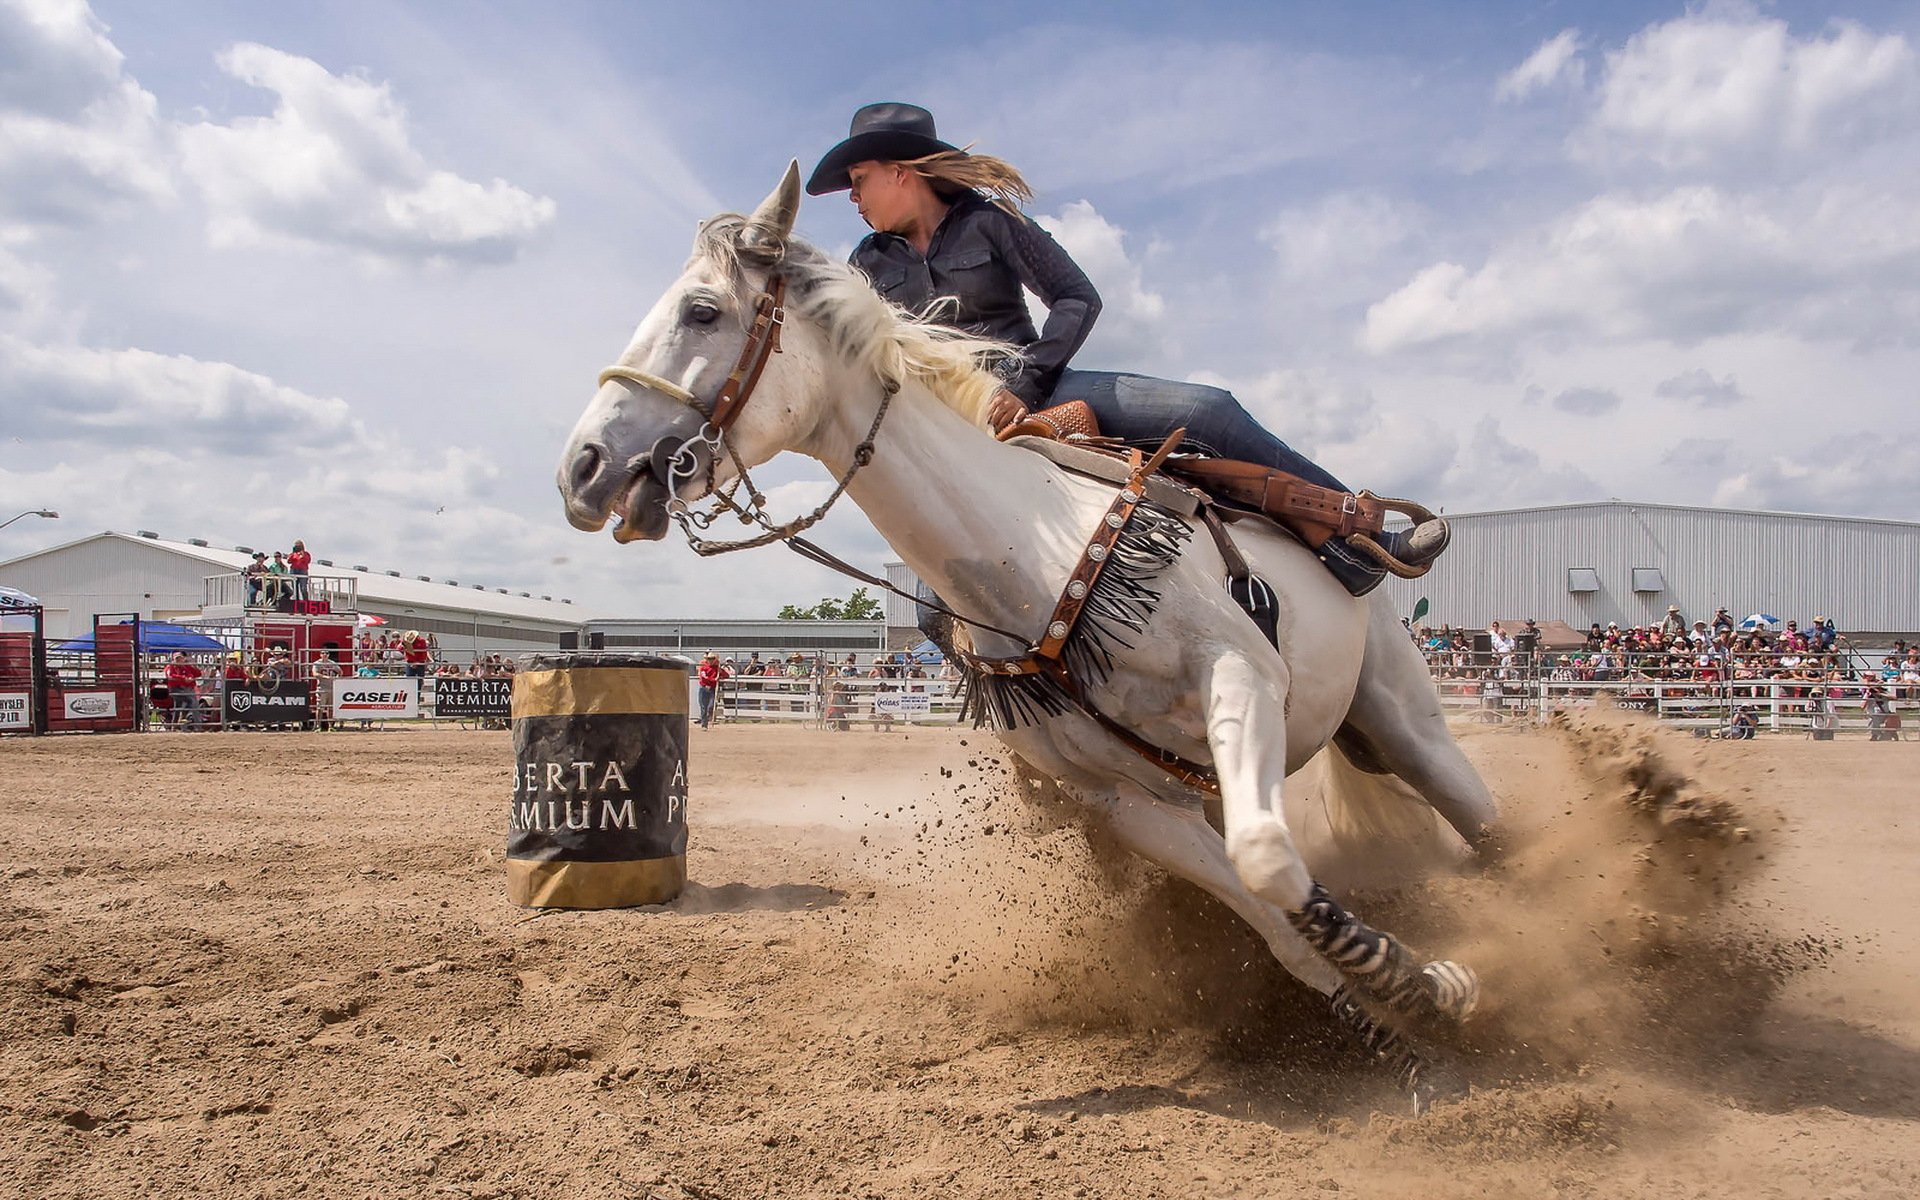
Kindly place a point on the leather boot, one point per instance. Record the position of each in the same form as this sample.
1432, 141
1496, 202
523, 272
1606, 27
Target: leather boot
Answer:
1418, 546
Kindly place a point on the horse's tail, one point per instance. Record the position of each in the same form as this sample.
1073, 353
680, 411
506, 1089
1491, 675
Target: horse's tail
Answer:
1359, 830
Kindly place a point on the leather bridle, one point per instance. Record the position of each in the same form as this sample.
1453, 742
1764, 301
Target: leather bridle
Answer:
674, 460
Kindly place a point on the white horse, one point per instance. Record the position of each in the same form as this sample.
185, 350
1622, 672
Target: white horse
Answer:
995, 530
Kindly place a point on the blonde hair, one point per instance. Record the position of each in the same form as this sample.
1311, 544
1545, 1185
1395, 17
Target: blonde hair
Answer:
997, 178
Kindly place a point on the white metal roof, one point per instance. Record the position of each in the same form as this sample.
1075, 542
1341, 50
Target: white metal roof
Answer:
376, 587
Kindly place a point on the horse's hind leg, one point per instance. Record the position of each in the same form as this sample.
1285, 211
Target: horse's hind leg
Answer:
1246, 728
1396, 721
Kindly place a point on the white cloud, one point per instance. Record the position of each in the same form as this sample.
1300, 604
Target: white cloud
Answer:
1724, 86
334, 165
1869, 476
1309, 410
78, 137
1692, 263
72, 395
1131, 327
1698, 386
1553, 61
1587, 401
1342, 235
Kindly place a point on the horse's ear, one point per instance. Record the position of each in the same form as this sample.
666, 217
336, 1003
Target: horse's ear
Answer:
766, 232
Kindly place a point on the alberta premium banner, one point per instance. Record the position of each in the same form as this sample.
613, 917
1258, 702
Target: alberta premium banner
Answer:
464, 696
376, 699
264, 704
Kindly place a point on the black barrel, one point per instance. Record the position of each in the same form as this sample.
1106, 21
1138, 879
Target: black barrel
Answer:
599, 816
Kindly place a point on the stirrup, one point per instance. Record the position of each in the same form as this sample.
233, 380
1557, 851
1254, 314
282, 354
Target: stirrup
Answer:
1418, 513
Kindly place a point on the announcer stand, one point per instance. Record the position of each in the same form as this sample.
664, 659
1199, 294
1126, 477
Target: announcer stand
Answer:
285, 636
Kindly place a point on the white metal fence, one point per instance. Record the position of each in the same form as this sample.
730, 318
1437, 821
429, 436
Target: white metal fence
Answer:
1720, 701
837, 701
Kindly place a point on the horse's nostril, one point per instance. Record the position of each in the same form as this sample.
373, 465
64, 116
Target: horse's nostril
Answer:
586, 465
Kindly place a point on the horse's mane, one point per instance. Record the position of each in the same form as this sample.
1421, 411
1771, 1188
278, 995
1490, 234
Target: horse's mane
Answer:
863, 327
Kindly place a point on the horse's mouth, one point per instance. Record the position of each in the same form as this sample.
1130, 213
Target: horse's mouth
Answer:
640, 511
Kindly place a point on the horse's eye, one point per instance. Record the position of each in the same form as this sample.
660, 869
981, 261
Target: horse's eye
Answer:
702, 314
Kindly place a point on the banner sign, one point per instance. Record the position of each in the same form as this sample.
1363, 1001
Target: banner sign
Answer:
466, 696
376, 699
16, 711
903, 704
90, 706
258, 704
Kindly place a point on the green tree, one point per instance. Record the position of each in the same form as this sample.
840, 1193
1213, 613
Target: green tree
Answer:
858, 607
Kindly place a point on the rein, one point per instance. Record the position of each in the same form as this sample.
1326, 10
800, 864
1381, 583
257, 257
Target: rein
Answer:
1043, 672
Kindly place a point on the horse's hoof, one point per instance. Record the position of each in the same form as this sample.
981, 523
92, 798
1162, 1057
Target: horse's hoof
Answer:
1453, 988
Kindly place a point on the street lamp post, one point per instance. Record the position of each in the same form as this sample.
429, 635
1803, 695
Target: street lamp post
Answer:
32, 512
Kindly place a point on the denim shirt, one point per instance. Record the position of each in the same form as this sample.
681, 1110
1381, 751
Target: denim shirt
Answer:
981, 257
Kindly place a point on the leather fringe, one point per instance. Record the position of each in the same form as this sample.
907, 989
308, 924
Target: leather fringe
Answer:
1119, 604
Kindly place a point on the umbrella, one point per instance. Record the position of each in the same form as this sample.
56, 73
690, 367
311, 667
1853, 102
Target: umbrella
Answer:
367, 619
155, 637
15, 598
1758, 620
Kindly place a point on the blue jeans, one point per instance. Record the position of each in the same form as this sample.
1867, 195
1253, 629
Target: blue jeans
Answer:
1141, 411
706, 706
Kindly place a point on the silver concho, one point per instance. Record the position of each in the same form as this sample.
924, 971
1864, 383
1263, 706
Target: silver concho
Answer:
1077, 590
1115, 520
1097, 553
1129, 495
1057, 630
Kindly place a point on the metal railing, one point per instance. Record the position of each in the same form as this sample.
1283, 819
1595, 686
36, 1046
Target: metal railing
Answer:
838, 702
1818, 694
268, 593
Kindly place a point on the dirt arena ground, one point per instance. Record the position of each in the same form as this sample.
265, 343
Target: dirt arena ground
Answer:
284, 965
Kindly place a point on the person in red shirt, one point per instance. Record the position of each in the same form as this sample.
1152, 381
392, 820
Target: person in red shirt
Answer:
414, 648
298, 563
183, 691
709, 677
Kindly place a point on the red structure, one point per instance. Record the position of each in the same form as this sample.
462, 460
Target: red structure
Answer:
102, 696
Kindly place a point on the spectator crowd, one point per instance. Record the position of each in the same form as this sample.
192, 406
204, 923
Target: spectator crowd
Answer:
1812, 668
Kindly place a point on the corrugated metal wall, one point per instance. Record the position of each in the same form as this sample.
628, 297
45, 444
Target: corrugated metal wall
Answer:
1512, 565
126, 575
108, 575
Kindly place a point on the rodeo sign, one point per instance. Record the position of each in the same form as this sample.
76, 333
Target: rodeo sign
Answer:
376, 699
464, 696
266, 704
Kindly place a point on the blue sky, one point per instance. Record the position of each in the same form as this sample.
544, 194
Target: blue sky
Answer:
346, 271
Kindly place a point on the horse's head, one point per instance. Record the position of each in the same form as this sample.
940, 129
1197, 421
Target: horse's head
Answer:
719, 357
650, 430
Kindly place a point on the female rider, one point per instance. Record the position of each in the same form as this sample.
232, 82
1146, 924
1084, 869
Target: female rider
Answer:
947, 227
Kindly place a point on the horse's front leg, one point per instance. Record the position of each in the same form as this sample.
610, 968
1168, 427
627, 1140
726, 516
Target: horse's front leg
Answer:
1246, 728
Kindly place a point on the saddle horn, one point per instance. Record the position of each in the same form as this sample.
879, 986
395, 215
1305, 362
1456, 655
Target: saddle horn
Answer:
764, 238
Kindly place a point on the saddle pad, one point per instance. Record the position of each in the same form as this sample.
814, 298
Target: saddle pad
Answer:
1105, 467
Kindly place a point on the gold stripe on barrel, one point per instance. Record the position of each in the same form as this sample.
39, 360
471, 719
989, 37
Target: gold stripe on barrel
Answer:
549, 884
591, 690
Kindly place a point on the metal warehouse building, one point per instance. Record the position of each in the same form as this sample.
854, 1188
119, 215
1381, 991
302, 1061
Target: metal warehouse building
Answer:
168, 580
1615, 560
738, 639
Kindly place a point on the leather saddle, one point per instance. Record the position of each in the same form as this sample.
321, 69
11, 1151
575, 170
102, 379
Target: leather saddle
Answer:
1313, 513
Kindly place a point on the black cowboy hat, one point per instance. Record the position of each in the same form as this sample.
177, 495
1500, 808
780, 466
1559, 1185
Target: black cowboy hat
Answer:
887, 132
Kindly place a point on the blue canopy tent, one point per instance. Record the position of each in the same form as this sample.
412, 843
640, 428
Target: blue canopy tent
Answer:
156, 637
926, 652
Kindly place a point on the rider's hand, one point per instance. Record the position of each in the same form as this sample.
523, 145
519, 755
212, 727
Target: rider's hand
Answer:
1004, 409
